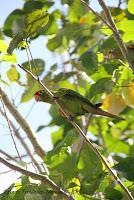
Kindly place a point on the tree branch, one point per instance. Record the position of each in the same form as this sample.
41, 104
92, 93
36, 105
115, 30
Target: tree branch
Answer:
24, 125
117, 36
75, 125
7, 155
111, 25
19, 137
43, 178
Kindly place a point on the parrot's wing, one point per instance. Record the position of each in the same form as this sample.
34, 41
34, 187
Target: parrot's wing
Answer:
73, 95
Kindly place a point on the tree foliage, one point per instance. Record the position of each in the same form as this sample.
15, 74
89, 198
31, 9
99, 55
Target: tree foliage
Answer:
94, 66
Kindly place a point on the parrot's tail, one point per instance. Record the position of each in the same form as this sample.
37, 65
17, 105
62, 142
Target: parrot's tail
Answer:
107, 114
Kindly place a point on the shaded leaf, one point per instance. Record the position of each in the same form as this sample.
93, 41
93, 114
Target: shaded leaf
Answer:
39, 63
89, 62
11, 25
112, 194
126, 167
101, 86
15, 41
62, 76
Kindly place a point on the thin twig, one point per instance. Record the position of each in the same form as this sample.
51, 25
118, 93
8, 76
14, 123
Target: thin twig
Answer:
34, 64
22, 141
75, 125
95, 13
24, 125
9, 125
43, 178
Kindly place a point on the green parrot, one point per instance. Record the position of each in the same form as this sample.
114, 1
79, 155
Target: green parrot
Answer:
73, 103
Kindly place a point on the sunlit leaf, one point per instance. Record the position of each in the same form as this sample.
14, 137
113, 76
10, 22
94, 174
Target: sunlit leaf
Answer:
13, 74
131, 6
128, 92
114, 103
36, 20
9, 58
3, 46
29, 92
129, 31
52, 27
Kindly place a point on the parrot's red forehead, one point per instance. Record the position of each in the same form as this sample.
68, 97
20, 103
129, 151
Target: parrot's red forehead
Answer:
37, 95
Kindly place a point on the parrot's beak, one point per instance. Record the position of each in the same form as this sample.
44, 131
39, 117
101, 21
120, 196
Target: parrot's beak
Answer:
37, 97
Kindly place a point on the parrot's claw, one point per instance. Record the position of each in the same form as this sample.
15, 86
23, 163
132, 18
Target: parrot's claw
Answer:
70, 118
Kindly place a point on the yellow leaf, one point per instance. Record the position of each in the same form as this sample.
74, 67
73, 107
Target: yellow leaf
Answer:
131, 6
3, 46
114, 103
13, 74
128, 93
9, 58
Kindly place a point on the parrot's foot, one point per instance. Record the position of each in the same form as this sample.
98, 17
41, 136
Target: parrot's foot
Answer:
70, 117
56, 98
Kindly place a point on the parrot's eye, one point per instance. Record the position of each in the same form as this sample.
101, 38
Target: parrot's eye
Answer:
40, 92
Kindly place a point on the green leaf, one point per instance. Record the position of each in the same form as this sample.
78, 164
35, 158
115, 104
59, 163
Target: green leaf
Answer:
91, 168
126, 166
112, 194
52, 27
75, 11
31, 5
131, 6
57, 135
61, 162
129, 31
3, 46
101, 86
9, 58
36, 20
108, 43
12, 74
90, 62
39, 63
15, 41
30, 91
14, 23
115, 145
62, 76
54, 43
105, 30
